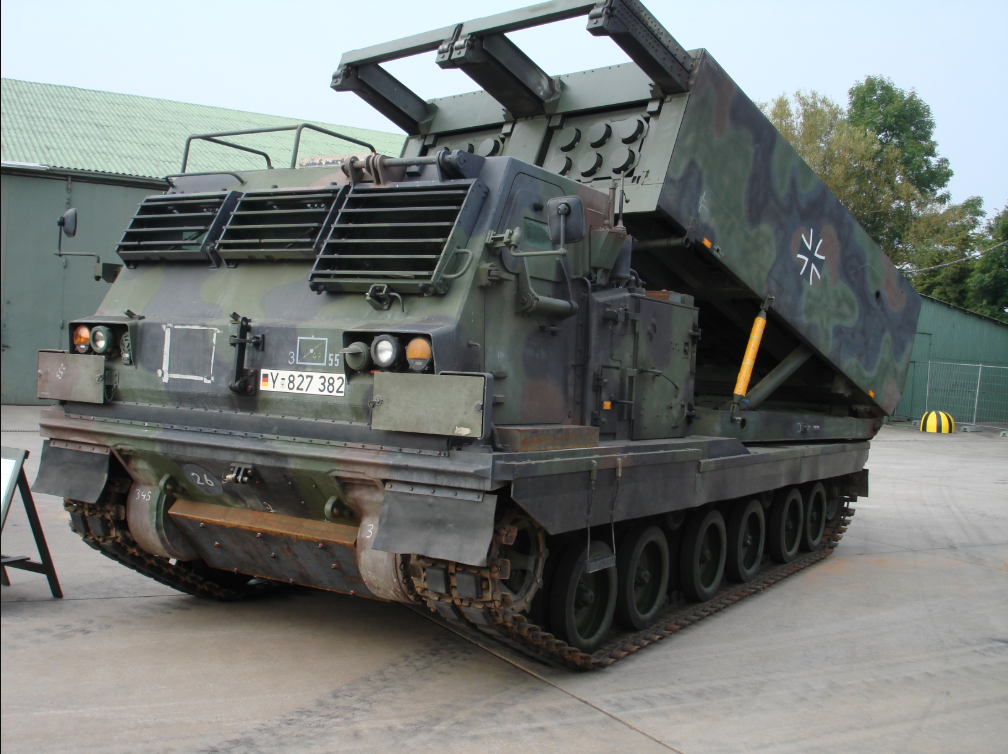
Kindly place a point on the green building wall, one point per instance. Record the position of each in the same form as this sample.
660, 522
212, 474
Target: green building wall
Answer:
948, 333
41, 292
102, 152
959, 364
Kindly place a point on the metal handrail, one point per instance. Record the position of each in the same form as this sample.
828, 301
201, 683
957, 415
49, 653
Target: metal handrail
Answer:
297, 140
210, 172
215, 138
269, 162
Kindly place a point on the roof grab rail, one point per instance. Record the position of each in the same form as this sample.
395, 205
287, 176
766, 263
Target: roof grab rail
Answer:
215, 138
327, 132
171, 176
269, 163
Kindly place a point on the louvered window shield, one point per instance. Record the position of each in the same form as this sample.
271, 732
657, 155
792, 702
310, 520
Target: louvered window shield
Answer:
408, 236
280, 224
177, 228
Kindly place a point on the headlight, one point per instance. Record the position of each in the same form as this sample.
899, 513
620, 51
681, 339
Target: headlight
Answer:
418, 354
101, 339
82, 339
385, 351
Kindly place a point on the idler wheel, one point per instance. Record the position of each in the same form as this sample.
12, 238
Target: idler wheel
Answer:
642, 573
786, 517
525, 553
702, 557
746, 537
583, 603
814, 520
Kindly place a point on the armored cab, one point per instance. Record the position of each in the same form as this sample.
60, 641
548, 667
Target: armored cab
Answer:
590, 348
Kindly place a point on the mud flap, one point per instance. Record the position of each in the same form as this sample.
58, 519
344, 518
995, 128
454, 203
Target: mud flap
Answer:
72, 470
438, 522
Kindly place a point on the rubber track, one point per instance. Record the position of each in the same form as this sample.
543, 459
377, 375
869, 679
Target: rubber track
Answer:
513, 630
516, 632
115, 542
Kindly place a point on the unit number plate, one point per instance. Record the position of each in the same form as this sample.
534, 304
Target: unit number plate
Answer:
306, 383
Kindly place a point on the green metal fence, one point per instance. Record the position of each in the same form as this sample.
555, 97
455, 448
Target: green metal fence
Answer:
971, 393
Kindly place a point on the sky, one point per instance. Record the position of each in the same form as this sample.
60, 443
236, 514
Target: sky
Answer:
278, 58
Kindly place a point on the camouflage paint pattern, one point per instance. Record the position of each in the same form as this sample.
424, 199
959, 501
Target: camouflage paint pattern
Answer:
734, 180
701, 169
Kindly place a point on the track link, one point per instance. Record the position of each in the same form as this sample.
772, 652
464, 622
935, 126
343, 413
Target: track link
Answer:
103, 526
492, 619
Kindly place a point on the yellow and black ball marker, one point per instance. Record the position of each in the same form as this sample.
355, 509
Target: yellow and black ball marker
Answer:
937, 421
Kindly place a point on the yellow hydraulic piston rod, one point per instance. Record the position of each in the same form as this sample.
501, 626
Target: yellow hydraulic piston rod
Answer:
752, 348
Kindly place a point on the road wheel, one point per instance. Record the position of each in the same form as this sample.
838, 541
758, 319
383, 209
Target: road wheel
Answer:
814, 520
832, 502
702, 555
746, 536
642, 573
784, 533
583, 604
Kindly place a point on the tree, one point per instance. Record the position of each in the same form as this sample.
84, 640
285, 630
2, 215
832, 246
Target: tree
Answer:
880, 160
943, 235
865, 175
987, 285
903, 120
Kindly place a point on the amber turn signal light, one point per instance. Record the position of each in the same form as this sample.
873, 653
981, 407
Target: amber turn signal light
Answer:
418, 354
82, 339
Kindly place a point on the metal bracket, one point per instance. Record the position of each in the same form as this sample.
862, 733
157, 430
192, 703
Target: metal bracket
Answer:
511, 239
507, 74
240, 474
244, 382
489, 274
380, 297
601, 562
386, 94
631, 26
530, 302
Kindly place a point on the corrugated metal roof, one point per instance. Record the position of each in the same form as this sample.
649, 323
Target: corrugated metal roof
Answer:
84, 129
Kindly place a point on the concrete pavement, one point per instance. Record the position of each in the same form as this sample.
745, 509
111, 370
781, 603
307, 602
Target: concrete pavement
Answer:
897, 642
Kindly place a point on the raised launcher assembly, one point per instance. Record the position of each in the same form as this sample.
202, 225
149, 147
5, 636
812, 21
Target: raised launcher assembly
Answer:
472, 376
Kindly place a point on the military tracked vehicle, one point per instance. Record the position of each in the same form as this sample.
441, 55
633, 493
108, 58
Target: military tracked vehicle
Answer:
595, 356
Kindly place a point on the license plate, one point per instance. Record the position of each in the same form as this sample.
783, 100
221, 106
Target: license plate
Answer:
303, 383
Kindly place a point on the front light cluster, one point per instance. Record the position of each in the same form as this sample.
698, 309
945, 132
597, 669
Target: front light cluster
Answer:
98, 339
387, 353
